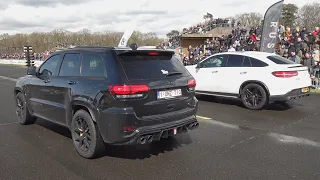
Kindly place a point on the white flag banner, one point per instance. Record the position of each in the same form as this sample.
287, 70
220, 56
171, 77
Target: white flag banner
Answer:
126, 36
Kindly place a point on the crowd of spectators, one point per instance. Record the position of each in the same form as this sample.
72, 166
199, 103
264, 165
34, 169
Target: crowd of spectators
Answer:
302, 46
207, 26
240, 39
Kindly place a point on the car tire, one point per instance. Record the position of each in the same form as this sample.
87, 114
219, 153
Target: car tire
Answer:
23, 115
86, 136
254, 96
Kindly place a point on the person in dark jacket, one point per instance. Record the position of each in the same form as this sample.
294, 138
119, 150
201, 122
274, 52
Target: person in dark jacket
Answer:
294, 58
309, 62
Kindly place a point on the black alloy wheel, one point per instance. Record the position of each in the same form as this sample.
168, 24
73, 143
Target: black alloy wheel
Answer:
86, 135
254, 96
22, 112
82, 136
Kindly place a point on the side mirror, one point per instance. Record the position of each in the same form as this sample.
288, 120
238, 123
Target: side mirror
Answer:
45, 74
32, 70
198, 66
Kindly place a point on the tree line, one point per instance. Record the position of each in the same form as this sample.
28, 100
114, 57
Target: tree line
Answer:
44, 41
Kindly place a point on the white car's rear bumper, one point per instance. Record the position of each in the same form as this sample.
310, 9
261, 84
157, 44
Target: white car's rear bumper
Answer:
291, 95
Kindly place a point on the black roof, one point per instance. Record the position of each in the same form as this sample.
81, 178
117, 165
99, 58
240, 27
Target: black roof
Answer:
118, 50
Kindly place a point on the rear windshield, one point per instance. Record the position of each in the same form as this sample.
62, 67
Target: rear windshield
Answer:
151, 67
280, 60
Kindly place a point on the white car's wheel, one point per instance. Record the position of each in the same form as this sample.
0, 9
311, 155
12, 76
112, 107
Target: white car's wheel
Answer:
254, 96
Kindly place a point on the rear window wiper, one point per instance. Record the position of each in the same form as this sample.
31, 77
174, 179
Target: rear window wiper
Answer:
173, 73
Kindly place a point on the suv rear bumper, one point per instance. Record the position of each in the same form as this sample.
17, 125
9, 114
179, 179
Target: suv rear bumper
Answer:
291, 95
157, 132
112, 122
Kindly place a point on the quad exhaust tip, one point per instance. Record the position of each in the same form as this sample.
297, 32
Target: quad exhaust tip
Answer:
142, 140
193, 125
145, 139
149, 138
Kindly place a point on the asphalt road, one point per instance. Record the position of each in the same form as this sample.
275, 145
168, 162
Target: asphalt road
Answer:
280, 142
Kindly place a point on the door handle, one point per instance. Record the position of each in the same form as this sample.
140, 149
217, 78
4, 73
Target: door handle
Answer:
243, 73
214, 71
72, 82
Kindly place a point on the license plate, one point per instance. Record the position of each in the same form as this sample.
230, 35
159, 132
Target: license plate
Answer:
169, 94
304, 90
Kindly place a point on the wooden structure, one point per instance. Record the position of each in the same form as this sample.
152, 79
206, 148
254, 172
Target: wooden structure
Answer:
196, 39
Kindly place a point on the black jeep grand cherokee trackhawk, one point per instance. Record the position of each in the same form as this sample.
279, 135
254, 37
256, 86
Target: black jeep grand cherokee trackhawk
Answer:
108, 95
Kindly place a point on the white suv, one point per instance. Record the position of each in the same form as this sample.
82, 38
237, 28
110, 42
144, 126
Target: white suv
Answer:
257, 78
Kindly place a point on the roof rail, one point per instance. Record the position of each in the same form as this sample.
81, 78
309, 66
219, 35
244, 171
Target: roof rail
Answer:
147, 47
108, 47
122, 48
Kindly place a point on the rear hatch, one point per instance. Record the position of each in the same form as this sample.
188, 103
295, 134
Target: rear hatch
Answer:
295, 75
160, 84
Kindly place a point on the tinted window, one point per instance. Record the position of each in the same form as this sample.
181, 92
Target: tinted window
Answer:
246, 62
70, 65
257, 63
235, 61
51, 65
280, 60
93, 65
150, 67
215, 61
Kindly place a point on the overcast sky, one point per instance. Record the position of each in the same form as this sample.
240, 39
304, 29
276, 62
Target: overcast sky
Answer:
18, 16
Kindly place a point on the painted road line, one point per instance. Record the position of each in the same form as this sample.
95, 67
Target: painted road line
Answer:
203, 117
222, 124
8, 78
5, 124
217, 123
293, 140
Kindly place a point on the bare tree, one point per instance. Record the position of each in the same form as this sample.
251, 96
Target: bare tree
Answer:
208, 16
309, 15
249, 19
42, 42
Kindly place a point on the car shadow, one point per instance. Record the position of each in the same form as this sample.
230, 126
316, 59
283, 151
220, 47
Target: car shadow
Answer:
61, 130
148, 150
128, 151
238, 103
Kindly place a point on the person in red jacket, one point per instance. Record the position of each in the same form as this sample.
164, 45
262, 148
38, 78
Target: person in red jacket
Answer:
316, 32
253, 37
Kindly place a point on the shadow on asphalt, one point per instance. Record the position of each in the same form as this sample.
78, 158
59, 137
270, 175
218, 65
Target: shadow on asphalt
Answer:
126, 151
54, 127
149, 150
237, 102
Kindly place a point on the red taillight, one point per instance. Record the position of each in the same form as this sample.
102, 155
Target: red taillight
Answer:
153, 53
285, 74
192, 83
129, 91
129, 128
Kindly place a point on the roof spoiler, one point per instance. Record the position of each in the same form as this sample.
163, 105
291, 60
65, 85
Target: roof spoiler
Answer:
153, 52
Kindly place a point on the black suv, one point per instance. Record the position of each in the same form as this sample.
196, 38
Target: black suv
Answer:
108, 95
